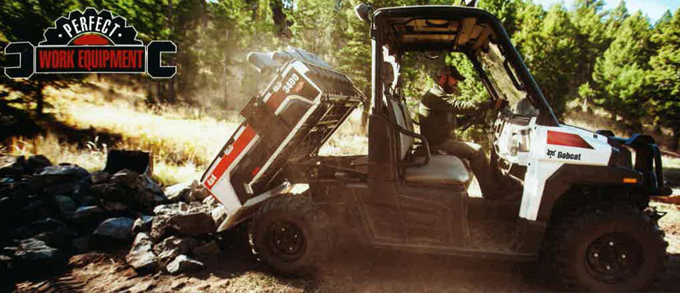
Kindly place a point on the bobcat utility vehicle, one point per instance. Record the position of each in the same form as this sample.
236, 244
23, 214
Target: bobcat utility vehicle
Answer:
584, 202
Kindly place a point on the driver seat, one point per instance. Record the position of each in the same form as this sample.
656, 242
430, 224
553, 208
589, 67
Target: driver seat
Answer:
440, 170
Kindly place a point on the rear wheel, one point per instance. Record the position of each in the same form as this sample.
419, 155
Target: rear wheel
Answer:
291, 235
608, 248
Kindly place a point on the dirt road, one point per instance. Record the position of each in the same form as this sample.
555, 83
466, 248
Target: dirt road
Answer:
235, 270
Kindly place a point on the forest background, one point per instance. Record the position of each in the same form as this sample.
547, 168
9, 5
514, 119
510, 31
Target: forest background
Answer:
589, 61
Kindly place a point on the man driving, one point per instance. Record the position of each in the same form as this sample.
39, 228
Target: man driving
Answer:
437, 118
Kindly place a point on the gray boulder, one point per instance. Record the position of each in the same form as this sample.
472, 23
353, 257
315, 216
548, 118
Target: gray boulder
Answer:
34, 256
34, 210
206, 250
129, 187
21, 232
109, 191
116, 208
141, 256
60, 173
59, 237
66, 205
60, 179
194, 224
183, 263
115, 228
159, 226
47, 224
37, 163
192, 219
173, 246
99, 177
142, 224
171, 209
81, 244
65, 169
88, 201
198, 191
178, 192
89, 217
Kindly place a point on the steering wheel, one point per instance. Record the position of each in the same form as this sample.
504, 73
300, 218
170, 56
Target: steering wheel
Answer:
496, 107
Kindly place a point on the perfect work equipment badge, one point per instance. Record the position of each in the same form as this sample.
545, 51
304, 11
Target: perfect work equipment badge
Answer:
89, 42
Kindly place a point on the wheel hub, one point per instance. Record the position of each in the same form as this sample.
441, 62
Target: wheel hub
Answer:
286, 239
614, 257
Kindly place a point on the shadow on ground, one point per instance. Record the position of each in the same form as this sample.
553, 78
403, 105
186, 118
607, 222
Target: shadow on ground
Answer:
355, 270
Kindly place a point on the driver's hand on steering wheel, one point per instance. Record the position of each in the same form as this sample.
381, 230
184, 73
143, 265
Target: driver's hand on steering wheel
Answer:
499, 104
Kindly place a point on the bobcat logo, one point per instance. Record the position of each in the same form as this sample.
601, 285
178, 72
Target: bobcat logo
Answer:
551, 154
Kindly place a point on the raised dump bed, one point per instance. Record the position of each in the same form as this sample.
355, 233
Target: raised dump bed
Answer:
291, 119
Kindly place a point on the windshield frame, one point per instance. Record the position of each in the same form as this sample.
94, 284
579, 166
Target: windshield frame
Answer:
382, 34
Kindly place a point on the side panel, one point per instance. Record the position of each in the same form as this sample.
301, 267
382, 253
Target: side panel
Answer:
551, 148
218, 176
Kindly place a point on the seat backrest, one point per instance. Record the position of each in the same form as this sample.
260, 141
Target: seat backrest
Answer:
403, 119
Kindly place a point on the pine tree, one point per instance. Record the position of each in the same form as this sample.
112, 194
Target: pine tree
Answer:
664, 76
619, 72
591, 41
548, 44
15, 26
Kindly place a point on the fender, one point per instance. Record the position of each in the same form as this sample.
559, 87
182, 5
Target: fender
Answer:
250, 206
569, 175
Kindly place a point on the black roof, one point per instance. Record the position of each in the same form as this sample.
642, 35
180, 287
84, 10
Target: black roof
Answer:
437, 27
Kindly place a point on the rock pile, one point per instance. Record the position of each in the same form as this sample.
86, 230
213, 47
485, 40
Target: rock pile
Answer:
49, 212
177, 232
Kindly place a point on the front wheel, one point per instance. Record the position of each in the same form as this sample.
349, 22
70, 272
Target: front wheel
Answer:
613, 248
291, 235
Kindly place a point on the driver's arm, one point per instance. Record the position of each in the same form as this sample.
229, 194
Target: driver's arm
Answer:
458, 107
467, 107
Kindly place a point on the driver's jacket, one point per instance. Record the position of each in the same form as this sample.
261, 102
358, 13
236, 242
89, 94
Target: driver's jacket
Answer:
437, 116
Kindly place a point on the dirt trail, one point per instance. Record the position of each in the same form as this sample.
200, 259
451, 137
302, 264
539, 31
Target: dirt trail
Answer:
367, 271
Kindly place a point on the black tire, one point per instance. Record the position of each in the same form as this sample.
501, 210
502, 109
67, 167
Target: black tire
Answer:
291, 235
608, 248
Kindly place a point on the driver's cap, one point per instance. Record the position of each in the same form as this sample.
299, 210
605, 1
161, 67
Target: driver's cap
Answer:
452, 71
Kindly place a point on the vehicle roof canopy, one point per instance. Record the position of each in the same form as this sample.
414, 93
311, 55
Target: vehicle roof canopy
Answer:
436, 28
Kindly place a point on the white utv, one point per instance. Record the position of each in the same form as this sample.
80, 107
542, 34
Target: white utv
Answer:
584, 205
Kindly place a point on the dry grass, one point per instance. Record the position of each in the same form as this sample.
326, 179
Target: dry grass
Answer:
167, 132
183, 140
91, 159
349, 139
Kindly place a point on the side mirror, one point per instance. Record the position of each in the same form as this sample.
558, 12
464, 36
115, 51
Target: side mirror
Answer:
364, 12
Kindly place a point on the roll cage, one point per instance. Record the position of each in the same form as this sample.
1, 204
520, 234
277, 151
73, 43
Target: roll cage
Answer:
452, 29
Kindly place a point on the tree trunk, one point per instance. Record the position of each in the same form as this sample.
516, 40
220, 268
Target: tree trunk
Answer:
225, 73
279, 17
171, 88
159, 91
675, 143
40, 100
